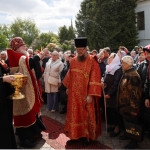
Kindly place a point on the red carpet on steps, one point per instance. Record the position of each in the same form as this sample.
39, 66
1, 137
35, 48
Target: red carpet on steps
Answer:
56, 137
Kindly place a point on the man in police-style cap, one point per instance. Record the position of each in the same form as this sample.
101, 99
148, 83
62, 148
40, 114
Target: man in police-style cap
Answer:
83, 83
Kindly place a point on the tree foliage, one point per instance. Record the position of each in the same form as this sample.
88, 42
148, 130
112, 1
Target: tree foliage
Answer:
29, 32
4, 42
68, 45
66, 34
71, 33
26, 29
63, 34
44, 39
108, 23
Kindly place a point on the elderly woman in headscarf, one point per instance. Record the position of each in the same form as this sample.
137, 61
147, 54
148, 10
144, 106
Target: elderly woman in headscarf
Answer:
129, 95
111, 80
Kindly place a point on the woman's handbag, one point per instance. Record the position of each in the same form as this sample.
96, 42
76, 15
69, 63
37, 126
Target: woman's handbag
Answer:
53, 80
133, 130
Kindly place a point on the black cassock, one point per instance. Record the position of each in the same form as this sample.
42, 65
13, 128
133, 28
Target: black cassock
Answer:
7, 137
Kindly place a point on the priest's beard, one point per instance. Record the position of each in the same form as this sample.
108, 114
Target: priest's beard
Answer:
81, 58
24, 52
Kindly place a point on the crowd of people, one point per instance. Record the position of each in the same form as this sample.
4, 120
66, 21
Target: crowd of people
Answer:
89, 85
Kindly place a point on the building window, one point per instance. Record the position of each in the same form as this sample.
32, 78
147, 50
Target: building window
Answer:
140, 20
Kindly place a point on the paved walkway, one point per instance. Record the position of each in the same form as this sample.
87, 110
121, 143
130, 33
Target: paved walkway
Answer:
114, 143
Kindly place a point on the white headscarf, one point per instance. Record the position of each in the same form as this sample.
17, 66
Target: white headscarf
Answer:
113, 66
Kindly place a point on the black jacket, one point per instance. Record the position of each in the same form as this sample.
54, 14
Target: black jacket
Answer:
111, 86
44, 61
7, 136
63, 74
143, 70
102, 66
5, 88
34, 63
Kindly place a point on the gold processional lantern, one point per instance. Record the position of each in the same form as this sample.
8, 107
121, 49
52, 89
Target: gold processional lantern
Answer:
20, 81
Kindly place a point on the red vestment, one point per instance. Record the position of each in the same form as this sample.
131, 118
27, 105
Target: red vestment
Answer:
25, 110
83, 79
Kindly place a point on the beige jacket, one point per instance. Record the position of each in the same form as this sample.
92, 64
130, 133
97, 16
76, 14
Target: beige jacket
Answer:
52, 69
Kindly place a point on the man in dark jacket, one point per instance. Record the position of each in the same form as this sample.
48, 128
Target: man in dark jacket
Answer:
143, 71
7, 137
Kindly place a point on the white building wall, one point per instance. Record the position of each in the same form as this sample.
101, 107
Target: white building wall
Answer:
144, 35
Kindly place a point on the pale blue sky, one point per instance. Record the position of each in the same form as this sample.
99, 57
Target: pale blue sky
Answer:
48, 15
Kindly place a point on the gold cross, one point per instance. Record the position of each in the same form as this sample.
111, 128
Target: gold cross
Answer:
86, 75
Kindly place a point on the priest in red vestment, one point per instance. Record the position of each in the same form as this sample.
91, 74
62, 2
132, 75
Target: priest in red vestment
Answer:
25, 111
83, 83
